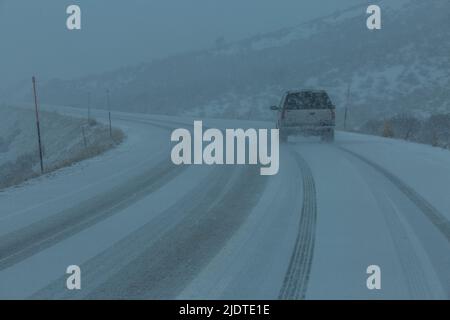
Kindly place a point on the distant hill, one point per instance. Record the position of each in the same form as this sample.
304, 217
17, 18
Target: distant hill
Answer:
403, 67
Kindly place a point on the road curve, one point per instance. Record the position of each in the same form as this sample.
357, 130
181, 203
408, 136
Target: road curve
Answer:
168, 231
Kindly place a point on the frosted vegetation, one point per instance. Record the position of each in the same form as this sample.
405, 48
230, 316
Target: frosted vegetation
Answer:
433, 130
63, 143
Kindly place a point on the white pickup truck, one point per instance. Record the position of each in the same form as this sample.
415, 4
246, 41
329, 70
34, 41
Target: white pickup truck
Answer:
306, 112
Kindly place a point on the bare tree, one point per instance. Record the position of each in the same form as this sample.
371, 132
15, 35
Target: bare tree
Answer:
405, 126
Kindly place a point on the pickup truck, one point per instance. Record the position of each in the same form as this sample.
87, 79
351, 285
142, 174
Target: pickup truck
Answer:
306, 112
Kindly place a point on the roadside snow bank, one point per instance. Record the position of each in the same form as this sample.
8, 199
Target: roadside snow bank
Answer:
65, 140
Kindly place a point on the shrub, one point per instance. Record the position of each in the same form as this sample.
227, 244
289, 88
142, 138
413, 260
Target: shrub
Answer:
387, 130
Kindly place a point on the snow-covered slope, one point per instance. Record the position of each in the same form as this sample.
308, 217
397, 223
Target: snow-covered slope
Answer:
402, 67
65, 140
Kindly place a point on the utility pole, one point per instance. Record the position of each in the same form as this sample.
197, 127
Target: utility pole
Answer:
347, 106
37, 124
84, 136
89, 108
109, 112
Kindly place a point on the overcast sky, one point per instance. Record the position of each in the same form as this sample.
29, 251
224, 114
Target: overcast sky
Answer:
115, 33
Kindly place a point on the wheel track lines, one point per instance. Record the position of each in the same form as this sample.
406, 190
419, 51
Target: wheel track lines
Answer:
411, 265
22, 243
224, 274
40, 229
433, 214
156, 261
301, 261
416, 277
297, 277
84, 188
100, 267
193, 242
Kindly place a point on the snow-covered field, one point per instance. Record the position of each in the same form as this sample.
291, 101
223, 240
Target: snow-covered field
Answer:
140, 227
65, 140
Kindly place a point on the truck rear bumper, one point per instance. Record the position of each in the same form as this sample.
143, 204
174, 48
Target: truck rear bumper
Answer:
306, 130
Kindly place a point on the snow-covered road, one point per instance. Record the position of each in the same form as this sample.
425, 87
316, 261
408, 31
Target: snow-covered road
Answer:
141, 227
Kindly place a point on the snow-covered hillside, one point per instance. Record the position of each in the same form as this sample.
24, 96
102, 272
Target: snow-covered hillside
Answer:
403, 67
140, 227
65, 140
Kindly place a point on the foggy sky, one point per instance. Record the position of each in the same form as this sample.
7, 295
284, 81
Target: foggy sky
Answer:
115, 33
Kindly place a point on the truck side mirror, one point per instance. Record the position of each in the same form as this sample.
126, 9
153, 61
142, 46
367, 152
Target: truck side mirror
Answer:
274, 108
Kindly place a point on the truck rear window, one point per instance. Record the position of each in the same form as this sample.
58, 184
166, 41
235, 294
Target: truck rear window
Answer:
308, 100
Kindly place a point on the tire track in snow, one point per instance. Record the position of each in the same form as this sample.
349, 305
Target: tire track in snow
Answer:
295, 283
415, 276
25, 242
430, 212
412, 267
171, 258
99, 269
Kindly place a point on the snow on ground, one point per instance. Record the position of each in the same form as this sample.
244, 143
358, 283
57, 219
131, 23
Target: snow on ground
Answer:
65, 140
425, 168
362, 219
